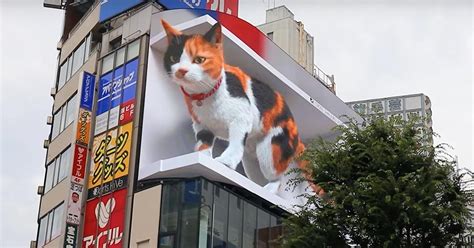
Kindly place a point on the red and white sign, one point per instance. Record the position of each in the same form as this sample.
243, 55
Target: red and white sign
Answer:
127, 110
230, 7
79, 164
105, 220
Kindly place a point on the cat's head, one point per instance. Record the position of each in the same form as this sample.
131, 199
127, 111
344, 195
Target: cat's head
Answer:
196, 61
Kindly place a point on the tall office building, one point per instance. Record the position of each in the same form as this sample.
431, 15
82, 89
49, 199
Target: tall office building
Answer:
120, 167
406, 108
281, 27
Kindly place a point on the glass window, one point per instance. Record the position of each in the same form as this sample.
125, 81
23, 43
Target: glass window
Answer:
275, 232
58, 220
221, 205
63, 119
250, 224
78, 59
56, 171
108, 63
190, 214
62, 75
120, 57
263, 228
42, 231
87, 47
71, 110
69, 67
48, 184
205, 226
48, 228
234, 235
133, 50
169, 214
65, 164
56, 124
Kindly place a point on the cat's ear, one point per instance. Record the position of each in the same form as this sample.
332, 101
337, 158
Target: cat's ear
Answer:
214, 35
170, 31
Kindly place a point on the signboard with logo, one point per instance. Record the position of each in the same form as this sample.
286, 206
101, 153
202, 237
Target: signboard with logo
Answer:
105, 220
116, 97
111, 8
70, 237
225, 6
110, 161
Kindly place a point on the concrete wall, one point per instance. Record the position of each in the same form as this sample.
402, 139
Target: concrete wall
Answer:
146, 218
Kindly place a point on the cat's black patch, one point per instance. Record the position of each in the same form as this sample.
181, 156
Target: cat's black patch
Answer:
245, 138
265, 97
205, 136
283, 140
235, 87
284, 115
175, 49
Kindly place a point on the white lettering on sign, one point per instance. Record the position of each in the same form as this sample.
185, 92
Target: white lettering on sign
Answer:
113, 236
115, 85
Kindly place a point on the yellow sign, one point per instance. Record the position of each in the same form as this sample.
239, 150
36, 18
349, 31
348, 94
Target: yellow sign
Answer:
83, 126
111, 155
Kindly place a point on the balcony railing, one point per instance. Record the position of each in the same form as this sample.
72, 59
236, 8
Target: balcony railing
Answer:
327, 80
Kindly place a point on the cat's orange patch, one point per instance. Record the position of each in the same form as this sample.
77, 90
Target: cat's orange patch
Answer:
270, 115
203, 147
279, 164
198, 46
243, 78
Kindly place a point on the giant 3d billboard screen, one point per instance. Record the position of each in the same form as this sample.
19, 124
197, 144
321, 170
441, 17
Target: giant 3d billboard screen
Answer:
217, 85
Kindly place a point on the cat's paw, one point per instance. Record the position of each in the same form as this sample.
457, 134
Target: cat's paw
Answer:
201, 146
230, 161
273, 187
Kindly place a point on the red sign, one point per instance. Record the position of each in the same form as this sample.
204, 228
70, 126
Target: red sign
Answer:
230, 7
105, 220
127, 110
79, 164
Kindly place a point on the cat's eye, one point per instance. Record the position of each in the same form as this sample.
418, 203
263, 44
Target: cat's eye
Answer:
199, 60
173, 59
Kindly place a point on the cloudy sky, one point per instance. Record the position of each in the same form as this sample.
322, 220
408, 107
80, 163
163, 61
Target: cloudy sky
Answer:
374, 48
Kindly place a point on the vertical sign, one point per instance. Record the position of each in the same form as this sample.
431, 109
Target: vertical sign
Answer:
78, 171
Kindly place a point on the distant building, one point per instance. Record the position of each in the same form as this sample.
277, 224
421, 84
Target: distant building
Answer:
282, 28
405, 107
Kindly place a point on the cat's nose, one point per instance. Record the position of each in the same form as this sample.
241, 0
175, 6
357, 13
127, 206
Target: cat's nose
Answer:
181, 72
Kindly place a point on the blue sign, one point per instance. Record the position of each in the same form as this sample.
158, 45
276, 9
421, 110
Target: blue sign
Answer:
111, 8
117, 87
87, 92
183, 4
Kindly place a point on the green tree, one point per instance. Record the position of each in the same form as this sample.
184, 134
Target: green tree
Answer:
386, 187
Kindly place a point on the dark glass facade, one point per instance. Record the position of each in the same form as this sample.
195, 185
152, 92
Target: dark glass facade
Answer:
198, 213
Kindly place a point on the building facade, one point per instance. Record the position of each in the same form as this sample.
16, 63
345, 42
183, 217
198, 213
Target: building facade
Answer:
113, 178
407, 107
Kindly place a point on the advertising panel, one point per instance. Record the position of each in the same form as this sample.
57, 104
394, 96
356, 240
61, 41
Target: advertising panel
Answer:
116, 97
225, 6
79, 164
83, 130
110, 161
105, 220
74, 205
87, 91
111, 8
70, 238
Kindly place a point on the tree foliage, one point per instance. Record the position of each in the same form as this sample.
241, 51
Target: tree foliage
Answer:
386, 187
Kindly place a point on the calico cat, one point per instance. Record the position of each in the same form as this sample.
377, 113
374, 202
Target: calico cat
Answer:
225, 102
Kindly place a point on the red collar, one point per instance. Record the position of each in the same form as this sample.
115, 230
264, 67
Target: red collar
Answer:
202, 96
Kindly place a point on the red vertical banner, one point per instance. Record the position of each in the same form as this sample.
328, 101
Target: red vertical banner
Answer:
105, 220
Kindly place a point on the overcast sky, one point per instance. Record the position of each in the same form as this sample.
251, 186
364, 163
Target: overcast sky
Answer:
374, 48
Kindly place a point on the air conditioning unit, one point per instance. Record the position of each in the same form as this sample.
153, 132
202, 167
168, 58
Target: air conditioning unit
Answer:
32, 244
46, 144
49, 120
53, 91
40, 190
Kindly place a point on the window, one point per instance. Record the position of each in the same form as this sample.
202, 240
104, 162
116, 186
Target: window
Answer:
133, 50
78, 57
108, 63
64, 117
120, 57
74, 62
58, 169
198, 213
51, 225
